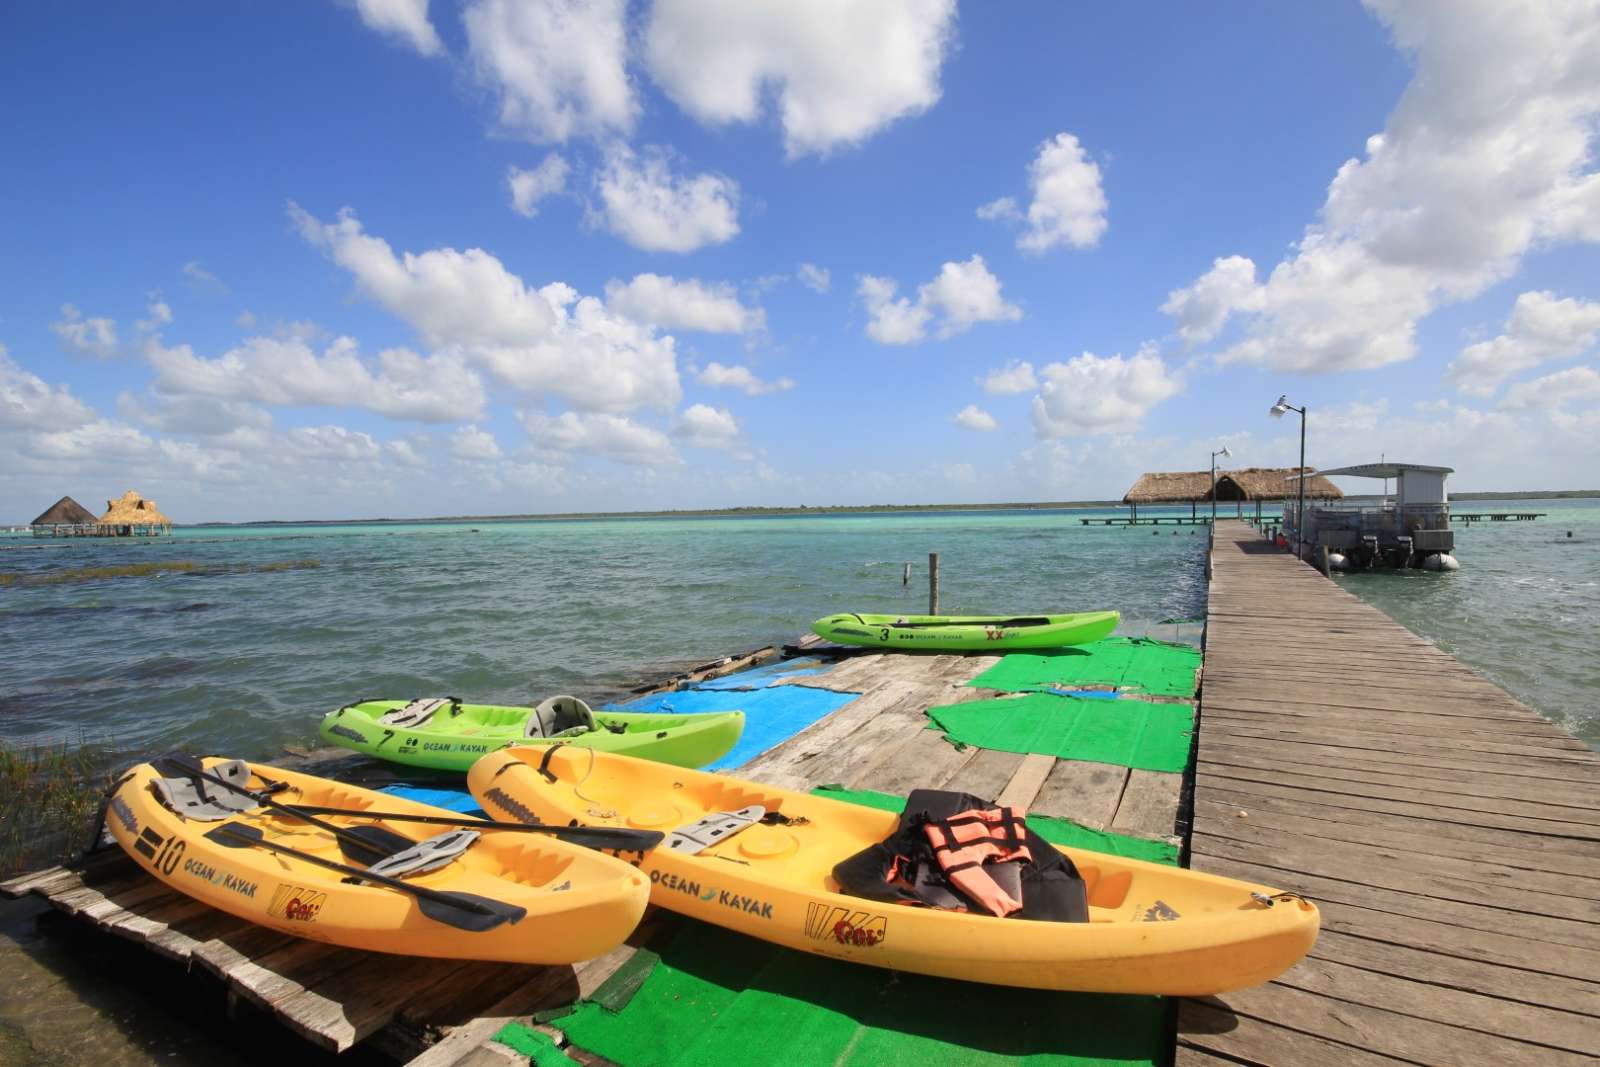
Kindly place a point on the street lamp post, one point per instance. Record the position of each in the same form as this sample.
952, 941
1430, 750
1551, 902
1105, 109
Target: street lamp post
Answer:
1224, 453
1278, 411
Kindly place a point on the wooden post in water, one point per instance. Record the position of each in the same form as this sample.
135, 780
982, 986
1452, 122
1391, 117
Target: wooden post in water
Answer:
1322, 561
905, 579
933, 583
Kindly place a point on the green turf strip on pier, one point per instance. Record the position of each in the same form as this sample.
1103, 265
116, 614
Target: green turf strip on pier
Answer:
538, 1046
717, 997
1056, 831
1126, 732
1137, 664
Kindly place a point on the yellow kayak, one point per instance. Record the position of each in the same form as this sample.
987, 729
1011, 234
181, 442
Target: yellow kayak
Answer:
1152, 929
462, 894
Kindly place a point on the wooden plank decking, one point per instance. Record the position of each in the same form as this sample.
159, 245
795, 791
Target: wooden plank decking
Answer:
1449, 833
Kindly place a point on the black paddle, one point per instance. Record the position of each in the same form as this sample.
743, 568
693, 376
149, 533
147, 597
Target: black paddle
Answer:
465, 911
377, 845
1028, 621
618, 838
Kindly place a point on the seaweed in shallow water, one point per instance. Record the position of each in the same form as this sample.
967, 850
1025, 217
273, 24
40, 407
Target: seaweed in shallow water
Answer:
49, 796
150, 570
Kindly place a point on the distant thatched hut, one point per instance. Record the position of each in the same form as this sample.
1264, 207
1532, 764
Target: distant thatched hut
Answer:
1250, 483
65, 518
134, 516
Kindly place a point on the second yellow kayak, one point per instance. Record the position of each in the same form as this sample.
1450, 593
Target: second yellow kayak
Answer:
1152, 929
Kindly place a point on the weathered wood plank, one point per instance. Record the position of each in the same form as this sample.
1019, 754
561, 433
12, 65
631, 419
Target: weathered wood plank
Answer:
986, 774
1149, 806
1085, 792
1026, 783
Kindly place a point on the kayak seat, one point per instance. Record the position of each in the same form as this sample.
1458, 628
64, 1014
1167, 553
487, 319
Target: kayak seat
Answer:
416, 712
195, 798
425, 856
560, 716
713, 829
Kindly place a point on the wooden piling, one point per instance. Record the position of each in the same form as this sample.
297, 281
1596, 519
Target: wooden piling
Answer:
933, 583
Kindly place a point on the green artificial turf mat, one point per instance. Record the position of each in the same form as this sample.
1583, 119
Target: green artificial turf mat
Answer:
1137, 664
1126, 732
717, 997
1054, 830
537, 1045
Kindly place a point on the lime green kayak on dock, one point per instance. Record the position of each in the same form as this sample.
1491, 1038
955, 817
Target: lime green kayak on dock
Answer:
444, 734
966, 633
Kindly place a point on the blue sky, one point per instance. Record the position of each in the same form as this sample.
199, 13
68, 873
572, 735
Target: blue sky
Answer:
395, 257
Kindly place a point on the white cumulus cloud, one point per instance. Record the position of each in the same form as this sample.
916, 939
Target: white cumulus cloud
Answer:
1202, 308
717, 376
1014, 377
962, 295
1068, 204
471, 443
1554, 391
28, 402
817, 279
972, 417
559, 66
287, 371
1487, 155
839, 71
92, 336
690, 304
1093, 394
549, 340
647, 205
703, 426
528, 187
1541, 328
404, 20
609, 436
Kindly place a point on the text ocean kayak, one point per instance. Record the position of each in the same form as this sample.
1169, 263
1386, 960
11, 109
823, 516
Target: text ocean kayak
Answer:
445, 734
966, 633
1153, 929
491, 895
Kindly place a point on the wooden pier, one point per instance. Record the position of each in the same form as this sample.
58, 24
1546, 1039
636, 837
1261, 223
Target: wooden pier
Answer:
1470, 517
1449, 833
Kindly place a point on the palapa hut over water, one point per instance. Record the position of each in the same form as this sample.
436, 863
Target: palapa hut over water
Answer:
133, 516
65, 518
1250, 483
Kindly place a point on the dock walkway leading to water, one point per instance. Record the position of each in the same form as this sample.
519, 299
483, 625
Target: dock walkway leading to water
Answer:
1448, 832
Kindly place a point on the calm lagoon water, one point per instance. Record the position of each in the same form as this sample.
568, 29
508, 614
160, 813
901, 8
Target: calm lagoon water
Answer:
268, 628
238, 639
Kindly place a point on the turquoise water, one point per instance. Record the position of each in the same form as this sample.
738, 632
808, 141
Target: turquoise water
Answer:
1524, 609
274, 626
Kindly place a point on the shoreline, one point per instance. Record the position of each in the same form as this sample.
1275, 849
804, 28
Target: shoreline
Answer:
803, 510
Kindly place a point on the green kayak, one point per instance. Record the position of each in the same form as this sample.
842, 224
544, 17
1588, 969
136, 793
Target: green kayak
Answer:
445, 734
966, 633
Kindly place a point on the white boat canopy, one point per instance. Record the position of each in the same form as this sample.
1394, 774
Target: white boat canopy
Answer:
1381, 470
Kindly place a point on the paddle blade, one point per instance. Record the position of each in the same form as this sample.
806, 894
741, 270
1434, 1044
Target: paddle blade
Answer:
235, 835
614, 839
467, 911
372, 843
177, 763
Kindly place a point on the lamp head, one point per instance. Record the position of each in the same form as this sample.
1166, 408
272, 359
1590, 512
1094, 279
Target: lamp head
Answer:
1225, 454
1281, 408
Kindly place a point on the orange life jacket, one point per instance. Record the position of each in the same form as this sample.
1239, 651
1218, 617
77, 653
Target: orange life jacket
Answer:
968, 840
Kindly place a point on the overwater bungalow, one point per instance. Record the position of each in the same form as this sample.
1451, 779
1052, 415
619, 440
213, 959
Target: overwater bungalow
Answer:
1239, 487
66, 518
133, 516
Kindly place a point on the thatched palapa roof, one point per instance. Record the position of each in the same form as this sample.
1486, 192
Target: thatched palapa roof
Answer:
133, 510
1251, 483
66, 512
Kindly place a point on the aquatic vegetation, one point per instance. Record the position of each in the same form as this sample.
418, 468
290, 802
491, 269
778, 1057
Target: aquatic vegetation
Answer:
50, 796
149, 570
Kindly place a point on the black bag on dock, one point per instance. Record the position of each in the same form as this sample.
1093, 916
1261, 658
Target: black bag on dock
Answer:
904, 870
